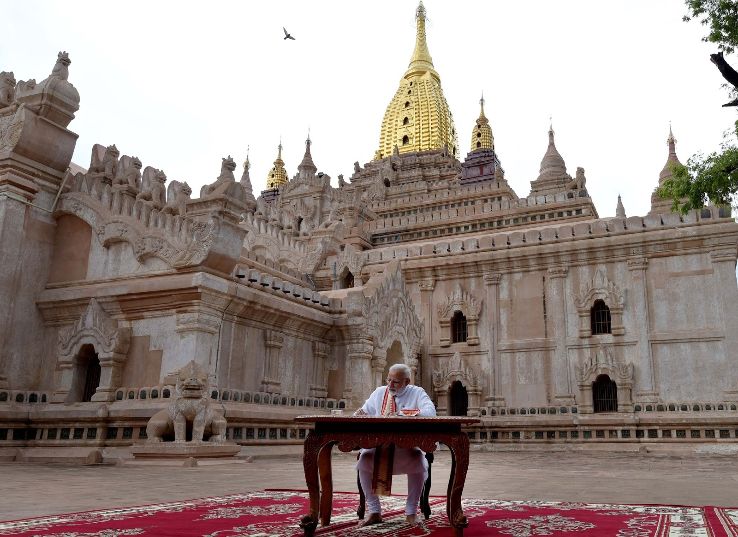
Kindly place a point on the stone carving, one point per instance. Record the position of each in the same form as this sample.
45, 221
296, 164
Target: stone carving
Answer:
176, 241
104, 162
602, 362
129, 172
469, 306
224, 180
579, 182
191, 405
97, 326
350, 260
111, 343
178, 194
390, 314
600, 288
461, 301
61, 67
7, 88
152, 187
455, 370
11, 127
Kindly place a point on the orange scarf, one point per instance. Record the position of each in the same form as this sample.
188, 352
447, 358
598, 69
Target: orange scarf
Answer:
384, 455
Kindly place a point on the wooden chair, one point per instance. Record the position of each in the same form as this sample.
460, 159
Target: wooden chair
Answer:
424, 504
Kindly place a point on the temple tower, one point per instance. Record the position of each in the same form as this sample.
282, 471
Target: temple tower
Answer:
418, 117
660, 205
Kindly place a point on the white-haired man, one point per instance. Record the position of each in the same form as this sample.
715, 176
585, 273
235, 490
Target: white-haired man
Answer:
391, 400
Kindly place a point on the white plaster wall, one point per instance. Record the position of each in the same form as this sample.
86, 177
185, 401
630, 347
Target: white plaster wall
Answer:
682, 294
523, 378
690, 371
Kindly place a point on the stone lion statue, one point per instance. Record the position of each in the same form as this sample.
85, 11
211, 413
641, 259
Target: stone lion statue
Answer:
7, 88
152, 187
190, 410
178, 194
129, 172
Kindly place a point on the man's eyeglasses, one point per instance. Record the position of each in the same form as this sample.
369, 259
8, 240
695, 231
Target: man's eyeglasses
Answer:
393, 381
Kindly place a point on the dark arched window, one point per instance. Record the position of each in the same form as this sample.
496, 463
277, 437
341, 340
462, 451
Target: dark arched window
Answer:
91, 364
605, 394
405, 121
348, 280
479, 144
458, 328
458, 399
407, 104
600, 318
405, 140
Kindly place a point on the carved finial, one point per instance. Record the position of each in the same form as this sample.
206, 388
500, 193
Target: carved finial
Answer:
620, 210
61, 67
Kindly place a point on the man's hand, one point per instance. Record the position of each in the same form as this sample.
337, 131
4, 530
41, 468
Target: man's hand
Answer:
360, 412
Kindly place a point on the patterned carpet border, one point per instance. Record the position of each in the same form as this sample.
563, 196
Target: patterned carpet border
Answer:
275, 513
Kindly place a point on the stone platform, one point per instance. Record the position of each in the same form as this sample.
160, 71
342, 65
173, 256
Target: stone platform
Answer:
182, 451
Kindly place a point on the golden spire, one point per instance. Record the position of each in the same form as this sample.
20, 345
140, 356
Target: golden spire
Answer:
277, 175
418, 117
421, 62
482, 137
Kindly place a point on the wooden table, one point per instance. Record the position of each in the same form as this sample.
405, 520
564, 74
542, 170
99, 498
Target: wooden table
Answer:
355, 432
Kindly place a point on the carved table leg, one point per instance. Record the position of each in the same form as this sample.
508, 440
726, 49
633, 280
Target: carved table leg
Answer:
424, 502
326, 483
459, 446
313, 443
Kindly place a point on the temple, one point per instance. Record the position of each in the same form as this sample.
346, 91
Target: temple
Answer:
552, 324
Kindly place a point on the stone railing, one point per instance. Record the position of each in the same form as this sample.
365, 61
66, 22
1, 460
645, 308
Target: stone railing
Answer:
269, 283
120, 204
259, 226
465, 192
32, 397
683, 407
233, 396
489, 209
253, 259
546, 235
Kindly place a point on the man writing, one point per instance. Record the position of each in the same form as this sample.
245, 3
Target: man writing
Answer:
391, 400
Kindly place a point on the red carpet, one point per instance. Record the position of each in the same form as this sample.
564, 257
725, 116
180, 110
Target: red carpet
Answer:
275, 514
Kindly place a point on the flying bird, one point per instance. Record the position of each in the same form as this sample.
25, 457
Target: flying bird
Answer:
287, 34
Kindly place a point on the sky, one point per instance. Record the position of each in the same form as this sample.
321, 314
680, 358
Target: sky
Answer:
183, 84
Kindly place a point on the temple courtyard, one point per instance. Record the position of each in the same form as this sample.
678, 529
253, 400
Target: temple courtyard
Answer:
638, 477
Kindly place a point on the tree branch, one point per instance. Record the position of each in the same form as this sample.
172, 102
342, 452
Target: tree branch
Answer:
726, 70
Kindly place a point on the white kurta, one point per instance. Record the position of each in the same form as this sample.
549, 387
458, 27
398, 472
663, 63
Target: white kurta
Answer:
406, 461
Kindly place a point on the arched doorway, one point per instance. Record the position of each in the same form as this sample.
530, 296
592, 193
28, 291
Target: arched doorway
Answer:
605, 394
347, 282
87, 374
458, 399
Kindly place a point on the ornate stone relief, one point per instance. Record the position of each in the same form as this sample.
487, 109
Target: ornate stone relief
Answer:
469, 306
390, 315
602, 362
350, 260
110, 341
456, 370
118, 216
600, 288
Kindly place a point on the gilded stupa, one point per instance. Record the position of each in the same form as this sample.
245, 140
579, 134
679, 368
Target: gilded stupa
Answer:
277, 175
482, 137
418, 117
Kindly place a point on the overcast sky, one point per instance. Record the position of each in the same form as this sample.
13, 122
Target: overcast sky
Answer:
182, 84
